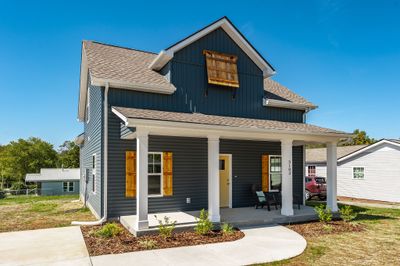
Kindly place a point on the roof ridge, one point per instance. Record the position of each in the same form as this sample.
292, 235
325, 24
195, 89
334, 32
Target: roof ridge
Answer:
121, 47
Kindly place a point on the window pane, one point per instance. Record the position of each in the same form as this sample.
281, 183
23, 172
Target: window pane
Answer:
275, 181
65, 186
154, 184
93, 161
150, 157
157, 158
157, 168
71, 187
150, 168
221, 164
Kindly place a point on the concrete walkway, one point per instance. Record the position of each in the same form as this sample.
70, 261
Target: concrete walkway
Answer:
262, 244
373, 205
55, 246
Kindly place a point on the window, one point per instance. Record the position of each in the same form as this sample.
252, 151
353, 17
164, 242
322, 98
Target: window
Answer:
275, 172
155, 173
221, 69
358, 172
221, 164
311, 170
68, 186
94, 173
88, 106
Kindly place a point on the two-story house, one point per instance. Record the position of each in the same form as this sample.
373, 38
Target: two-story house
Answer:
194, 126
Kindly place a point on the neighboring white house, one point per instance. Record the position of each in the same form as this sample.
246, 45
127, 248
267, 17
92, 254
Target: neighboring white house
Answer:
365, 172
56, 181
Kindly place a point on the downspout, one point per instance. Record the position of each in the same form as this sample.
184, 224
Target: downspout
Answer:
105, 160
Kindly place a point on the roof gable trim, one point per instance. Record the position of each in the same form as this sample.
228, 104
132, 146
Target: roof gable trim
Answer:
166, 55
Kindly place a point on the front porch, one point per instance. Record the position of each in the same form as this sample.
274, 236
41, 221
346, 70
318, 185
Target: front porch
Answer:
238, 217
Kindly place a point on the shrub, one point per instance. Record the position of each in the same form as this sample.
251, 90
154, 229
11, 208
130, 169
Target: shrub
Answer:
18, 186
227, 229
147, 243
165, 227
109, 230
328, 228
347, 213
324, 214
204, 225
2, 194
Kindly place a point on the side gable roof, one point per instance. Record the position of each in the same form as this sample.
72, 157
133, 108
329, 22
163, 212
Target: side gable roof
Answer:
166, 55
318, 155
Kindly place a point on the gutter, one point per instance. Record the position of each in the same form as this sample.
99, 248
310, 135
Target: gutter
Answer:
105, 174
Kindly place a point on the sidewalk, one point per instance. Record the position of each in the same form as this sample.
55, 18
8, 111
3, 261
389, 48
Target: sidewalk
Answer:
261, 244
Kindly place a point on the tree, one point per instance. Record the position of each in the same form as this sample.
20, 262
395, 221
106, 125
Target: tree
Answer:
360, 138
26, 156
68, 155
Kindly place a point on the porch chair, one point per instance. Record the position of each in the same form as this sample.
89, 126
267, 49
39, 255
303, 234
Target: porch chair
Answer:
273, 198
261, 200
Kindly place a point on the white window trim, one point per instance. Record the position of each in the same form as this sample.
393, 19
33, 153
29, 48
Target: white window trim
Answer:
269, 173
88, 106
94, 173
315, 168
352, 172
161, 177
69, 185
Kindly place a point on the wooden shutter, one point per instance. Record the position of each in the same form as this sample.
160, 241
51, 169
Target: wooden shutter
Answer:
265, 172
130, 178
222, 69
167, 174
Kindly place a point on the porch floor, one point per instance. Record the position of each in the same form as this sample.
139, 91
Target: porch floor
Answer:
238, 217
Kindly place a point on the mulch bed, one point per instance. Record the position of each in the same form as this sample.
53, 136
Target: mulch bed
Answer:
126, 242
315, 229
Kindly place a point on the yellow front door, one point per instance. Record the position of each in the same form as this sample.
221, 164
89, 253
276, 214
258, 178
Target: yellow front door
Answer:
224, 168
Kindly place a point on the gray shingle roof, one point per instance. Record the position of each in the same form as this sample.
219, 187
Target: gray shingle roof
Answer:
318, 155
239, 122
132, 66
54, 174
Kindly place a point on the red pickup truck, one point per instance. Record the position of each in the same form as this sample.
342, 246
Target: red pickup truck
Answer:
315, 187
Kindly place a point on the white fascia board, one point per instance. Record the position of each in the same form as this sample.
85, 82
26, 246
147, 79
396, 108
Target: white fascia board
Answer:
201, 130
166, 55
289, 105
83, 86
383, 141
133, 86
121, 116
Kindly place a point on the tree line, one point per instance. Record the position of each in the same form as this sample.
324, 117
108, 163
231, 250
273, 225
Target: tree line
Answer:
29, 155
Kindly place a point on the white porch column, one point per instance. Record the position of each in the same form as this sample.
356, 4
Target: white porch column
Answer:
142, 142
287, 180
213, 178
331, 171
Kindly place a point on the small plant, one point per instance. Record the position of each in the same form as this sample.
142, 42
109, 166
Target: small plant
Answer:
204, 225
165, 227
347, 213
147, 243
109, 230
324, 214
327, 227
227, 229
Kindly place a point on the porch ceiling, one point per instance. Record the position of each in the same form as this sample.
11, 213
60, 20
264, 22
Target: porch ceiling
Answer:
202, 125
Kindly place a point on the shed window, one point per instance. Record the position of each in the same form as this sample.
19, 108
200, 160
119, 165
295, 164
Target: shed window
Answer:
94, 173
68, 186
311, 170
155, 173
222, 69
358, 172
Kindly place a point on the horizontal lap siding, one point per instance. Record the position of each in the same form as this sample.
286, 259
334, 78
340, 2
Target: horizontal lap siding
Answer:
246, 166
93, 144
189, 173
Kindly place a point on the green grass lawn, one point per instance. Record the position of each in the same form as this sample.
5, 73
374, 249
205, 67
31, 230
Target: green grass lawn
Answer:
378, 244
36, 212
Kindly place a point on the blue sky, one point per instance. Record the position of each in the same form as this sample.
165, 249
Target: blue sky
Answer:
343, 56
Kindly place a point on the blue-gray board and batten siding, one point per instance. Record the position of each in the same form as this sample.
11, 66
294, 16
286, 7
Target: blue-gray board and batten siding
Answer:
49, 188
187, 72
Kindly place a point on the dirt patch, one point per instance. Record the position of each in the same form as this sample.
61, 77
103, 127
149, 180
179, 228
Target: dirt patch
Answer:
126, 242
315, 229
